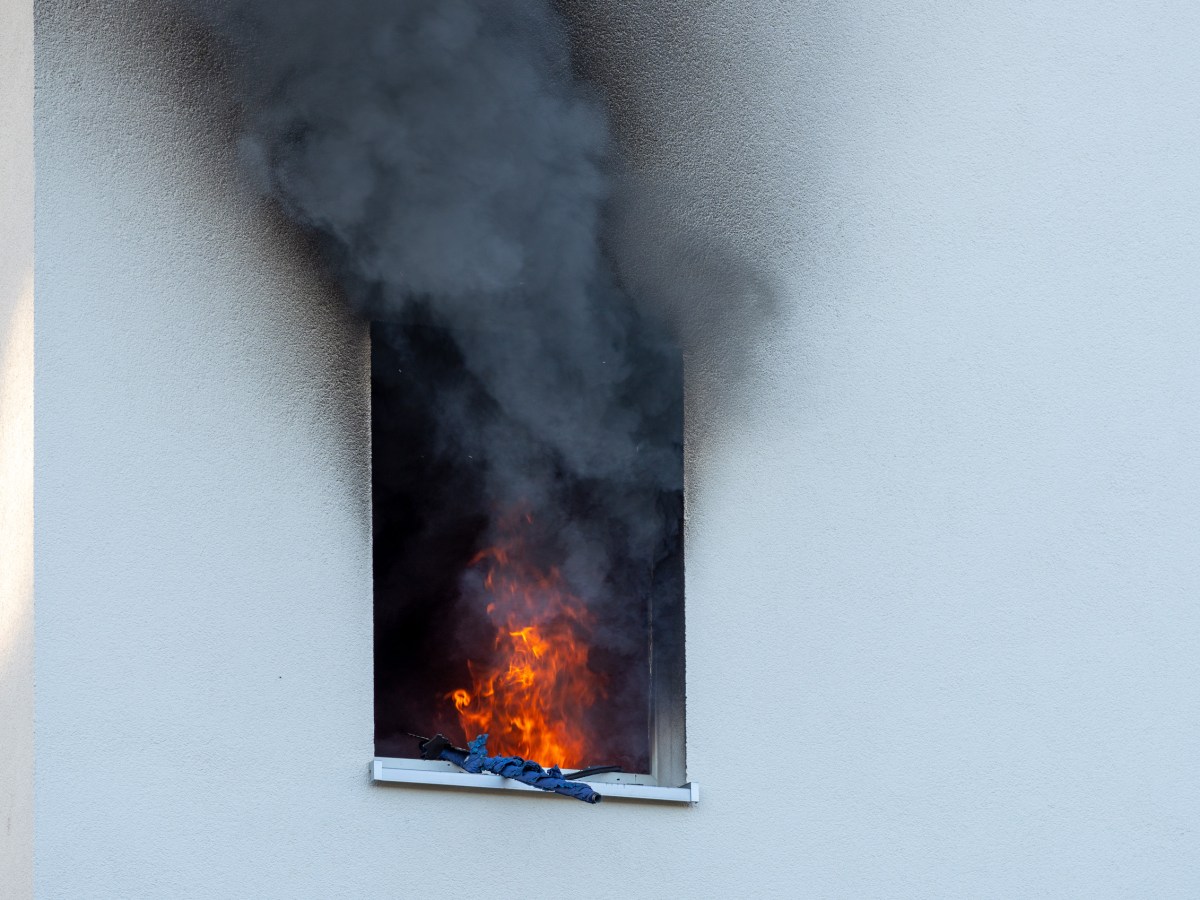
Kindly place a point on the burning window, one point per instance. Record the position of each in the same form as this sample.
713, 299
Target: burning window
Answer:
527, 588
456, 175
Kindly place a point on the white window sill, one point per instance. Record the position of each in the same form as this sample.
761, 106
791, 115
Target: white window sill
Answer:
614, 786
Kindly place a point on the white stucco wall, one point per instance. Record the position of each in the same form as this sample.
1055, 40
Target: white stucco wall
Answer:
16, 449
941, 544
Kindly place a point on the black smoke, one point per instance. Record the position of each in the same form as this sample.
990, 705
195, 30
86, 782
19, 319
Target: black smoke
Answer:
457, 173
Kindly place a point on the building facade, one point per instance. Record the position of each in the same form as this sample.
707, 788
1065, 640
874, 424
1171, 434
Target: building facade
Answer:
942, 491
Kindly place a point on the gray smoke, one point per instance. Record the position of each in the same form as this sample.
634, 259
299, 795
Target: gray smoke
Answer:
448, 157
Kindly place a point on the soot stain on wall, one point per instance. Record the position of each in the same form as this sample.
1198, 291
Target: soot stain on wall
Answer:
169, 60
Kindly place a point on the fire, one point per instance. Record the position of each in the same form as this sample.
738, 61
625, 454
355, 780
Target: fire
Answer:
532, 693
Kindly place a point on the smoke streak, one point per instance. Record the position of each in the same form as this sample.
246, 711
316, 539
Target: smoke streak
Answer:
458, 174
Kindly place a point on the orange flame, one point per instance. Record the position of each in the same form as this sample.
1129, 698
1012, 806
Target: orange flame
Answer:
532, 694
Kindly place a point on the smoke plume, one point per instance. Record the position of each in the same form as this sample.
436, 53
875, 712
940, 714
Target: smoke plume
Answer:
457, 173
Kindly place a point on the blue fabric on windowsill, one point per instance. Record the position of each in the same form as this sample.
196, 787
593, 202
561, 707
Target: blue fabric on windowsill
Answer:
523, 770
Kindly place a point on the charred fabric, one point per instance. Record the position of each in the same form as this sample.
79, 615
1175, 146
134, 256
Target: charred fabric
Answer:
455, 172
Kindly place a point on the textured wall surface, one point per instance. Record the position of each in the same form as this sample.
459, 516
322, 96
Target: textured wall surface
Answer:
16, 449
942, 521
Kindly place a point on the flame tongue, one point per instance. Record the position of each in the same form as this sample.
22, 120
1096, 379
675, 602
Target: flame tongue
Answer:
533, 691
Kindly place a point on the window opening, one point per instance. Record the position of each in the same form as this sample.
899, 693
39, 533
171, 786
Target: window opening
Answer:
547, 611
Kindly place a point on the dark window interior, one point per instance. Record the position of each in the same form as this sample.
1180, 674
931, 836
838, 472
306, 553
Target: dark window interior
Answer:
431, 521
